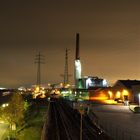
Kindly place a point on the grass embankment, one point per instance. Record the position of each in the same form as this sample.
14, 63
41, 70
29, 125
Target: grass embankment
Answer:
35, 119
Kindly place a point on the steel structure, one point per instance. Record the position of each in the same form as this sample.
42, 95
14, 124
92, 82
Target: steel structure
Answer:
66, 74
39, 59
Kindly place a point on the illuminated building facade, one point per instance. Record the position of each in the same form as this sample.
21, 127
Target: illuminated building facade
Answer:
126, 90
123, 91
89, 82
85, 82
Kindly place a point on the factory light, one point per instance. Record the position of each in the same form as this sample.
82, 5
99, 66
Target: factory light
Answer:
125, 92
118, 94
110, 94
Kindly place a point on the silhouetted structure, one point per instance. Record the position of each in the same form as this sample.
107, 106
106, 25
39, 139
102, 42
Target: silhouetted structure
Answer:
66, 70
39, 60
127, 89
77, 55
77, 63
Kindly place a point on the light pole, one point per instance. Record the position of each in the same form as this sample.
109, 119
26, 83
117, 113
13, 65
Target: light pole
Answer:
81, 127
139, 99
81, 110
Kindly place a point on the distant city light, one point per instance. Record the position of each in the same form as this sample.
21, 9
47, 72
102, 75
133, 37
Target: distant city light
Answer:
1, 88
5, 105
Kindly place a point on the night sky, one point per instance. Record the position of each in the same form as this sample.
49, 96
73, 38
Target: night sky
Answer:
109, 39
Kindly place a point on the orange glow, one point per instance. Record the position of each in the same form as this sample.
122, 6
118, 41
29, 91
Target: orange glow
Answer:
110, 102
37, 89
67, 85
49, 84
43, 96
101, 95
61, 85
98, 98
110, 94
125, 92
118, 94
57, 92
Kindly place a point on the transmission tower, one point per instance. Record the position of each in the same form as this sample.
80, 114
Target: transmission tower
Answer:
66, 72
39, 59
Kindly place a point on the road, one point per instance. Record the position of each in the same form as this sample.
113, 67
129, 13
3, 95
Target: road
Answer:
3, 128
119, 121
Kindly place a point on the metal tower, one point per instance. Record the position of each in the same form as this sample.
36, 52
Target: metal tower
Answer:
39, 59
66, 77
66, 74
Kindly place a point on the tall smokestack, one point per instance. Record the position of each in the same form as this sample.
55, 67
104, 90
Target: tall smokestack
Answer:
77, 63
77, 57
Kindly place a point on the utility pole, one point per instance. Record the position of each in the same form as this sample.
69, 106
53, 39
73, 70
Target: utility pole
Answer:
39, 59
66, 72
81, 110
66, 77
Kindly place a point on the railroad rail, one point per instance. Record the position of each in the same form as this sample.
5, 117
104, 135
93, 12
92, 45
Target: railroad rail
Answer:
64, 124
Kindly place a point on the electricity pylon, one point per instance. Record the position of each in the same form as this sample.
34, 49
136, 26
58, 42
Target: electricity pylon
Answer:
66, 74
39, 59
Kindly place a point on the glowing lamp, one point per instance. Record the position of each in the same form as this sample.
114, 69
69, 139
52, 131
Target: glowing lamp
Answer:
118, 94
125, 92
110, 94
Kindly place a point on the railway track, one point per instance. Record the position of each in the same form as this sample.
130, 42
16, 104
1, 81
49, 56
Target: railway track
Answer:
64, 124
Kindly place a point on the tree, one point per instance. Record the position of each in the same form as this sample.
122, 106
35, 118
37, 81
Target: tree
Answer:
14, 112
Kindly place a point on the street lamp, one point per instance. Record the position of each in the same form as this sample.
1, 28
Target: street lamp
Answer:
139, 99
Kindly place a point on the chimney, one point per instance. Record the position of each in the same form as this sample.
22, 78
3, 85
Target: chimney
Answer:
77, 57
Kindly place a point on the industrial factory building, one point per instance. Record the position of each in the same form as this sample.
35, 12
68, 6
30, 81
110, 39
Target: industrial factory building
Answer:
89, 82
126, 90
